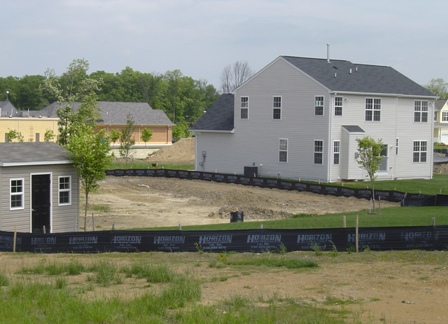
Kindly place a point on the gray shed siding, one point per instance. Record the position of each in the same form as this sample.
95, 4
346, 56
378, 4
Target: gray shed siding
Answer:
62, 218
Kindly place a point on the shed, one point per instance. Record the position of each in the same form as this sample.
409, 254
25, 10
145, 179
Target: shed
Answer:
39, 188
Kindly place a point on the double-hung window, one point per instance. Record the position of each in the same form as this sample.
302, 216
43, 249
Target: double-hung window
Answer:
421, 111
336, 151
277, 108
338, 106
319, 105
318, 151
65, 190
244, 107
283, 150
445, 116
16, 194
420, 151
373, 109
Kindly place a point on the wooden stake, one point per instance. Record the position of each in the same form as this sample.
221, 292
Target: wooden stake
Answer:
357, 234
433, 222
15, 239
344, 221
93, 223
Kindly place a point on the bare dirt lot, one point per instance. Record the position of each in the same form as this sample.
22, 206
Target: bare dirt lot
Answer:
381, 289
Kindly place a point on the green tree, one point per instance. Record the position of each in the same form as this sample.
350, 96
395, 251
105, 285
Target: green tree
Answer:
90, 155
438, 87
127, 138
14, 135
181, 130
114, 135
146, 135
72, 86
49, 135
369, 159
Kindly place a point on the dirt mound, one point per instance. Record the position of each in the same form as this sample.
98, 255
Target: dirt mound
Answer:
181, 152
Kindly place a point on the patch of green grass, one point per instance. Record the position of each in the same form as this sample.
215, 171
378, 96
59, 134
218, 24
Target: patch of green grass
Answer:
106, 273
333, 301
389, 217
4, 280
71, 268
153, 274
99, 208
274, 262
145, 165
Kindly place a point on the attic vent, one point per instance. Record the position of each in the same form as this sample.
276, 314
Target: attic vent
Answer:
356, 69
335, 74
350, 71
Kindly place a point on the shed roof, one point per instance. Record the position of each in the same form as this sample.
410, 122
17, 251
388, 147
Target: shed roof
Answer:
219, 117
41, 153
345, 76
115, 113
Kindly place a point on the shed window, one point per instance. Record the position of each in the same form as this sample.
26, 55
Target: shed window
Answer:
16, 194
64, 190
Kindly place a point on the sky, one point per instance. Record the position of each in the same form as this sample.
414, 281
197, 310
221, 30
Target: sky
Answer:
201, 37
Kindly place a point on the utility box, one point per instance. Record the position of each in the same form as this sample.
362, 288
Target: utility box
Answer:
237, 217
251, 171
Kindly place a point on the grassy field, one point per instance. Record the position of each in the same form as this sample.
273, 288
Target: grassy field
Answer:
167, 287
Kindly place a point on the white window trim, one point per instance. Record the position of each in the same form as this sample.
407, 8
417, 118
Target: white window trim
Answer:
421, 112
420, 152
241, 107
321, 152
372, 109
317, 106
280, 150
444, 116
69, 190
341, 106
22, 194
280, 108
338, 152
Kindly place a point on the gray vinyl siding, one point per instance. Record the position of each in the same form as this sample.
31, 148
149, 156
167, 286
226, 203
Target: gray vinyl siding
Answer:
63, 218
255, 141
258, 136
397, 115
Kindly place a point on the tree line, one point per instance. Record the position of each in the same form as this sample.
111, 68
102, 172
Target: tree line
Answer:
181, 97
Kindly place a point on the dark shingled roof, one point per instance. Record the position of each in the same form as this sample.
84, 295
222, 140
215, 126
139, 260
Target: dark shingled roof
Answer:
219, 117
353, 128
8, 109
363, 78
115, 113
12, 154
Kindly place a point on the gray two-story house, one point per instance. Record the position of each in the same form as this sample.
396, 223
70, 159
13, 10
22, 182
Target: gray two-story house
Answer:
299, 118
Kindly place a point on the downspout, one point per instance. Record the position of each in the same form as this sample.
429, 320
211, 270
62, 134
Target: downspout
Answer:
330, 132
395, 144
431, 148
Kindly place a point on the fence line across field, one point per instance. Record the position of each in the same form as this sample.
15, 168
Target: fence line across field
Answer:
406, 199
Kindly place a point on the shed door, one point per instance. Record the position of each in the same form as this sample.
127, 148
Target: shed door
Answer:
40, 203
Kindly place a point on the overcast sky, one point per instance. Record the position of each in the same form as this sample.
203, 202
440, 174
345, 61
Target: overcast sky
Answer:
201, 37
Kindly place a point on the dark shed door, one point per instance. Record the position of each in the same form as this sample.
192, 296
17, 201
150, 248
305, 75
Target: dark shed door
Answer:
40, 204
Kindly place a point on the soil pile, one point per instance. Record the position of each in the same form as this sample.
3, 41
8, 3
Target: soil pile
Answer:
181, 152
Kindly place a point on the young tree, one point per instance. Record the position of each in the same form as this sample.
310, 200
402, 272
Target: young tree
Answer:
369, 158
146, 135
13, 134
89, 153
114, 135
126, 138
49, 135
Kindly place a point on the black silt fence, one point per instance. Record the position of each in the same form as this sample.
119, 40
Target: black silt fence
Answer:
377, 239
388, 195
